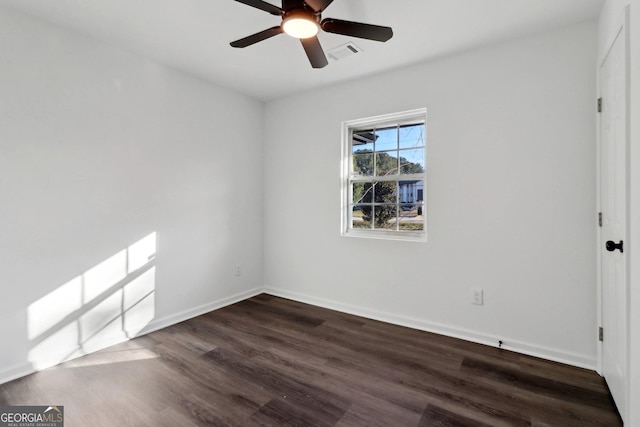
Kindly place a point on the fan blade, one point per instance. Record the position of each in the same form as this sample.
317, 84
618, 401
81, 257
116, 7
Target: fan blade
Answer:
314, 52
319, 5
257, 37
288, 5
357, 29
262, 5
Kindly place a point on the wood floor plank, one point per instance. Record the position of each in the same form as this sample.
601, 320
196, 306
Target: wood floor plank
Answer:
270, 361
371, 396
456, 393
570, 374
377, 414
324, 403
537, 384
434, 416
280, 412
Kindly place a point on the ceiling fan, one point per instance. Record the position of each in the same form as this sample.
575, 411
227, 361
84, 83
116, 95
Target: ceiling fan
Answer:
302, 19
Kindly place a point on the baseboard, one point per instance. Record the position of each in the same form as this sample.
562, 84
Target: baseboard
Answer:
573, 359
16, 371
198, 311
516, 346
27, 368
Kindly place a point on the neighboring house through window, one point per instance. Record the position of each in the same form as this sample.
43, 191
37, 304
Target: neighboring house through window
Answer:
384, 176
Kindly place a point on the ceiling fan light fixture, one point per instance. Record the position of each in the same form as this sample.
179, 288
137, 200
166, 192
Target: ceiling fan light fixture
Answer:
302, 19
300, 25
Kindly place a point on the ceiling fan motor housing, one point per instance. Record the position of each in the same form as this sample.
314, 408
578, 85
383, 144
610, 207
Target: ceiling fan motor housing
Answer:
289, 5
304, 13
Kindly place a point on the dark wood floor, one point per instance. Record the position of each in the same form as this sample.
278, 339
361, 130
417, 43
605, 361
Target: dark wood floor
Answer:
274, 362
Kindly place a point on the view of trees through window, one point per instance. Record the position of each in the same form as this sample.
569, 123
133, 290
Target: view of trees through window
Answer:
387, 179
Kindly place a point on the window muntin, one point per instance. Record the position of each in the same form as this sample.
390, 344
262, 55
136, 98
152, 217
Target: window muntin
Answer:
385, 177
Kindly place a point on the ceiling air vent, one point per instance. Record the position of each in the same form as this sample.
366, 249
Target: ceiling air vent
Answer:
343, 51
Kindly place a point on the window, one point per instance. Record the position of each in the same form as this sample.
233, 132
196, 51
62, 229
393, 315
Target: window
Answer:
384, 176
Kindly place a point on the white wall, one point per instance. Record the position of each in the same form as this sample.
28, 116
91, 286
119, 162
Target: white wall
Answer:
510, 194
99, 148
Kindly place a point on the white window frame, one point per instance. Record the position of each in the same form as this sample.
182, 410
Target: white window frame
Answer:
348, 177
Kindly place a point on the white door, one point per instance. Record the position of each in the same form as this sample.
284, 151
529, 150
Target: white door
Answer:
613, 198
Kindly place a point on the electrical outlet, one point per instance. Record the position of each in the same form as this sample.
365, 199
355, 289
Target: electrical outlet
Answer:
238, 270
477, 296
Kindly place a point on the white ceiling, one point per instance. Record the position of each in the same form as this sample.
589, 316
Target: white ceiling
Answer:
194, 35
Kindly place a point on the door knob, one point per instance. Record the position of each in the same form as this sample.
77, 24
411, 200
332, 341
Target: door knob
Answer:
612, 246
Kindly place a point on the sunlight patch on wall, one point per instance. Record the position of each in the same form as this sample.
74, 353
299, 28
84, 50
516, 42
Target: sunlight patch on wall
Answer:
54, 307
141, 252
139, 302
100, 278
107, 304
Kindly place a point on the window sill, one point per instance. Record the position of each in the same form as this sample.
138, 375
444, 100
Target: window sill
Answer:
387, 235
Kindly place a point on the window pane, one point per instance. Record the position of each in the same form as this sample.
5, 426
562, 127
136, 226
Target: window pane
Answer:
359, 219
366, 217
411, 216
385, 217
385, 191
363, 164
361, 192
362, 140
411, 195
410, 191
411, 136
412, 161
387, 139
386, 163
411, 225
